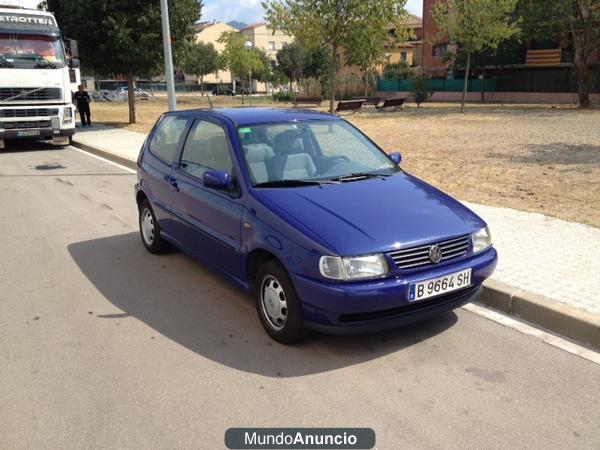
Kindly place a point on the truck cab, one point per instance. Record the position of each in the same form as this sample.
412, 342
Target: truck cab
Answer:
35, 78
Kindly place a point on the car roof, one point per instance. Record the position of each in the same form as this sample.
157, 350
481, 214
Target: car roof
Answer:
253, 116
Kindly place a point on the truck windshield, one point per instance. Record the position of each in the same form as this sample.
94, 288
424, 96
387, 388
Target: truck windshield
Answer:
31, 51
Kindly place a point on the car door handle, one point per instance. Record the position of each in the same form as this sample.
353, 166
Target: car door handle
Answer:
173, 183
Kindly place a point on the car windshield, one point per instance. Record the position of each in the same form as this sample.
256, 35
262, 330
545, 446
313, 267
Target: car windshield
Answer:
31, 51
278, 154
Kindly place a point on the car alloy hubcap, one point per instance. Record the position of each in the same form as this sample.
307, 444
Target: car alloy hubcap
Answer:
273, 302
147, 226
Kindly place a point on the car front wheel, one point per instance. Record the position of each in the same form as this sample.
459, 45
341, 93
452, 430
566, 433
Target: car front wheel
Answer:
150, 230
278, 306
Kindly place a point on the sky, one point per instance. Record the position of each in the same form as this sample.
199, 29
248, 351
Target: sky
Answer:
247, 11
250, 11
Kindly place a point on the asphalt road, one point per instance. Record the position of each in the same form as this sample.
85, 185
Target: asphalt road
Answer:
103, 345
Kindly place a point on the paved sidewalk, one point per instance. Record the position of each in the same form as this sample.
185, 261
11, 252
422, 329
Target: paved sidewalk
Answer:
550, 257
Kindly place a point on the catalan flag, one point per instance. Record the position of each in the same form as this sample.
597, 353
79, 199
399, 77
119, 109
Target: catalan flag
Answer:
544, 58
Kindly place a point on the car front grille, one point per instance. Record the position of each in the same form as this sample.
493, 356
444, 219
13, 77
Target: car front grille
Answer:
29, 94
26, 124
29, 112
419, 256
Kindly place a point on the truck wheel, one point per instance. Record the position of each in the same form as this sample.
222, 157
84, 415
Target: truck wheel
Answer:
278, 306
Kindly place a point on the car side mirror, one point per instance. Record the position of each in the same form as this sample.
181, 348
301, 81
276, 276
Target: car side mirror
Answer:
396, 157
217, 179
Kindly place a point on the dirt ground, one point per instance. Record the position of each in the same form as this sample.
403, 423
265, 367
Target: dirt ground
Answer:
540, 159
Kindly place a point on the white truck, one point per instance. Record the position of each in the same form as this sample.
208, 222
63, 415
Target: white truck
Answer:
37, 75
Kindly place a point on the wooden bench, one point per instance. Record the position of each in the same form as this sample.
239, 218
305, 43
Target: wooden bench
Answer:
315, 101
394, 103
372, 101
349, 105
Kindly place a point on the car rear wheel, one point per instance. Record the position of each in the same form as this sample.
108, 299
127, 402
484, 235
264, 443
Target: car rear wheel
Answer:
278, 306
150, 230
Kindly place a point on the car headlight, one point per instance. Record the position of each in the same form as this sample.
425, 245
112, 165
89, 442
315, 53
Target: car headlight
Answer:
67, 115
353, 268
482, 240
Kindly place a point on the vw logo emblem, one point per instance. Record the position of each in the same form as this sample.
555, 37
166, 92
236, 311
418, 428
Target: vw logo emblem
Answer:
435, 254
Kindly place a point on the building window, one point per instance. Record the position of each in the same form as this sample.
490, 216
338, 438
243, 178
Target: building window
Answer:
271, 45
403, 56
440, 50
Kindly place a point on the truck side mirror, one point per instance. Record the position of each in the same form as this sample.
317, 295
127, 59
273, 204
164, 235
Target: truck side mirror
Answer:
75, 63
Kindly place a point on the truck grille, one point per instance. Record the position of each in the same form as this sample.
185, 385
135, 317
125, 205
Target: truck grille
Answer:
26, 124
29, 112
29, 94
419, 256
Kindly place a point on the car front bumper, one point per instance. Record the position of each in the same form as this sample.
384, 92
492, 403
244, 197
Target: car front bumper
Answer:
341, 308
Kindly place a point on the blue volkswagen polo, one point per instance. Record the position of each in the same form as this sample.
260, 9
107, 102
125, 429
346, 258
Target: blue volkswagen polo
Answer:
311, 216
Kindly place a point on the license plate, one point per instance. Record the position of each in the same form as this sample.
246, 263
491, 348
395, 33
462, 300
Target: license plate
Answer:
27, 133
438, 286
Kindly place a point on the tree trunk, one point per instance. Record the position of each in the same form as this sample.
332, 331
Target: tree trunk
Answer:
201, 84
131, 98
464, 97
332, 78
583, 86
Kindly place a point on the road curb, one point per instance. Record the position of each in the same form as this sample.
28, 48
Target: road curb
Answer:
106, 155
542, 312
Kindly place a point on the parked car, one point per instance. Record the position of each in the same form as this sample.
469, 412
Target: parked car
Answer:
223, 91
121, 94
100, 95
324, 228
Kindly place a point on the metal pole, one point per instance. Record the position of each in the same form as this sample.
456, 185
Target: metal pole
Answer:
166, 32
249, 80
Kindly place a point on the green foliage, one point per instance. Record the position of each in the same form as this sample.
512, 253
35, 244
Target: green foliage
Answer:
474, 25
197, 58
117, 37
557, 19
237, 59
297, 61
338, 23
124, 37
418, 84
397, 71
284, 96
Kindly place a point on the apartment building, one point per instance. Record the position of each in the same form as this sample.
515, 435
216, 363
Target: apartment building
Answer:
210, 32
265, 38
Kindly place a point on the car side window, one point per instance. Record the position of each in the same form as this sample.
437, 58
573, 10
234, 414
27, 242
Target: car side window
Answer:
206, 148
165, 139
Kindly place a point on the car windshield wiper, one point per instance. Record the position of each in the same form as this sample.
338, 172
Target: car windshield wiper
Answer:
41, 61
359, 176
288, 183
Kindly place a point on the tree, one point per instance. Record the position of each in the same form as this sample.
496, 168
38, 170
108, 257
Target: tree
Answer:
335, 22
238, 60
199, 59
556, 19
298, 61
124, 38
365, 47
474, 25
291, 60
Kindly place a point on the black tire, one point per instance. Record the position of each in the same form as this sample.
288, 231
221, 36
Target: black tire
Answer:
154, 244
273, 274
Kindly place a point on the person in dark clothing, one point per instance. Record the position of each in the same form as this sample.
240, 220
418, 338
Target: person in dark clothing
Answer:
82, 99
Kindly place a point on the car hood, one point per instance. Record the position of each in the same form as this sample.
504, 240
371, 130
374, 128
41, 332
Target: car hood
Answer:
374, 215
